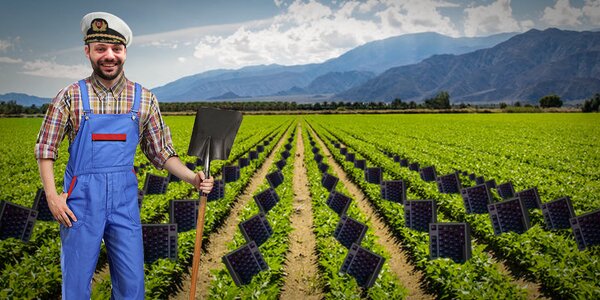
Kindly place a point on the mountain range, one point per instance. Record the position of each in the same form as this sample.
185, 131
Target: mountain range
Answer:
413, 67
526, 67
353, 67
24, 99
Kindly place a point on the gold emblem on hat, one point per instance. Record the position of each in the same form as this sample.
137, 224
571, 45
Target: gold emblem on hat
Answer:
99, 25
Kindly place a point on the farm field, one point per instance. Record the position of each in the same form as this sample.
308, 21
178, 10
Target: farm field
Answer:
559, 154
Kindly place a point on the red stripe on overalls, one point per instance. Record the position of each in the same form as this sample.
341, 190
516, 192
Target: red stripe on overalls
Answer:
71, 186
119, 137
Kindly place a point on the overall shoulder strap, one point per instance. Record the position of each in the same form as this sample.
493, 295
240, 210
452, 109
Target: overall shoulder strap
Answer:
137, 96
85, 99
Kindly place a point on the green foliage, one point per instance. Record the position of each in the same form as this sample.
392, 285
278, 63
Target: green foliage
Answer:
32, 270
592, 104
551, 101
477, 278
37, 275
266, 284
558, 153
440, 101
331, 254
550, 257
12, 108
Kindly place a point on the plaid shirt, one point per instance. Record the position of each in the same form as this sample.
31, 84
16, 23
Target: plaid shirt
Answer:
65, 111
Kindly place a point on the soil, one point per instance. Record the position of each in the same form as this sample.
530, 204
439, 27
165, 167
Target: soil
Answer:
301, 274
533, 289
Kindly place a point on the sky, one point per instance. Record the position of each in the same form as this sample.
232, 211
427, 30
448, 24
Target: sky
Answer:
41, 44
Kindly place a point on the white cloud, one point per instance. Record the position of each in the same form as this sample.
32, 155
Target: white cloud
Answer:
417, 16
278, 2
310, 32
494, 18
51, 69
5, 45
591, 10
181, 59
171, 39
8, 60
367, 6
562, 14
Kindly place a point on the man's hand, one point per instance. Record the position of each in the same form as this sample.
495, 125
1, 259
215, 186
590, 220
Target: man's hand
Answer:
61, 212
202, 183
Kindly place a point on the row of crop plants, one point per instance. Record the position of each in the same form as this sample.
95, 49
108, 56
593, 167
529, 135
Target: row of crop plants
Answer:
266, 284
331, 253
551, 257
478, 277
570, 139
32, 269
163, 277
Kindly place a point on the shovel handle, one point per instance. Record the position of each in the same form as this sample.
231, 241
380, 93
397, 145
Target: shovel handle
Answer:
198, 245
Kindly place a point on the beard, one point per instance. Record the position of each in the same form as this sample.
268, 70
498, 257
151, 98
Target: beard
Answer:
107, 76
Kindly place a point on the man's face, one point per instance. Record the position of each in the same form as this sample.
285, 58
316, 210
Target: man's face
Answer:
107, 59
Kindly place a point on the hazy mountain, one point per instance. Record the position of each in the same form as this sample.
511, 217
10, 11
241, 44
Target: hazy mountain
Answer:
24, 99
227, 96
374, 57
525, 67
407, 49
331, 83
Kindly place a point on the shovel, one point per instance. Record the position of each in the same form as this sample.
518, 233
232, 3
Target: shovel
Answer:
212, 138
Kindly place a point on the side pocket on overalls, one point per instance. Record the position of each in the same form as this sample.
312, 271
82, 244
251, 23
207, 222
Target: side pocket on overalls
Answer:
131, 192
71, 186
76, 201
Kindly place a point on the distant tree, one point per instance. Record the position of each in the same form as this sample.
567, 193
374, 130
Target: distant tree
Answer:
440, 101
592, 104
551, 101
44, 108
517, 104
358, 105
10, 108
503, 105
397, 103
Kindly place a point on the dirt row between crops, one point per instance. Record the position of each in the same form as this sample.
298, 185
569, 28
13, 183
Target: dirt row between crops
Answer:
301, 274
412, 279
216, 246
533, 289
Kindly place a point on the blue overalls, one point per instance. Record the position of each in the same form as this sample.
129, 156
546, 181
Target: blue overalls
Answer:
102, 188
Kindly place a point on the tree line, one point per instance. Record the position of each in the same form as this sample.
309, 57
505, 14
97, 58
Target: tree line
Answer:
440, 101
12, 108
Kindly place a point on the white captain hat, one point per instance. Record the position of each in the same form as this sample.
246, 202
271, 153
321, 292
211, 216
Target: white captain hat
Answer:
102, 27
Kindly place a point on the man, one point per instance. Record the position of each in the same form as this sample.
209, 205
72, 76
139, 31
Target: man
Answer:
105, 116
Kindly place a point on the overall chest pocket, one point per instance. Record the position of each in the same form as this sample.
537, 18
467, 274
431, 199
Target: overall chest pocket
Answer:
109, 150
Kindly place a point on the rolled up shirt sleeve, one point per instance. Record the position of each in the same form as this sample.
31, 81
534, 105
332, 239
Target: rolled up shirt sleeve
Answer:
54, 127
156, 142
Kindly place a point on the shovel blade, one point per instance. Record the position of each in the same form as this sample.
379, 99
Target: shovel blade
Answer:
217, 126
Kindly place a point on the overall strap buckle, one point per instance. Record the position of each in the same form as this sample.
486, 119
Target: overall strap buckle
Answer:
84, 97
137, 96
